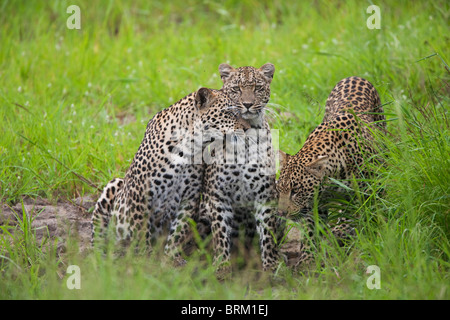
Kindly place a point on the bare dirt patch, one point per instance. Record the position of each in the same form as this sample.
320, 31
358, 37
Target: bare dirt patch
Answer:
73, 219
60, 220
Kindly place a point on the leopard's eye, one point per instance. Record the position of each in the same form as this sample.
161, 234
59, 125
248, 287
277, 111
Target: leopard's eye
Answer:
235, 89
259, 88
293, 195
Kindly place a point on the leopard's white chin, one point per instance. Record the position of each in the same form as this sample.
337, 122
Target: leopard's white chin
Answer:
250, 115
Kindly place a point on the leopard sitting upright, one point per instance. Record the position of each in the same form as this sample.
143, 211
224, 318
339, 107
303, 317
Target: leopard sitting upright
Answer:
163, 183
338, 148
239, 187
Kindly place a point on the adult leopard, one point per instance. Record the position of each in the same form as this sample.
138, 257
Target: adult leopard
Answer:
164, 181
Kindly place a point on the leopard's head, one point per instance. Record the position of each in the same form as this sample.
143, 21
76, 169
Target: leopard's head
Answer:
248, 88
299, 178
213, 120
216, 117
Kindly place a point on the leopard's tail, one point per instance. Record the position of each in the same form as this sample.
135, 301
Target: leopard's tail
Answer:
103, 208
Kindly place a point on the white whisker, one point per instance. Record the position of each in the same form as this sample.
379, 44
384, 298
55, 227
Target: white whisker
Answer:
276, 106
272, 114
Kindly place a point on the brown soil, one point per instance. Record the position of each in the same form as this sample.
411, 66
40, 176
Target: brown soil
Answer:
58, 220
65, 219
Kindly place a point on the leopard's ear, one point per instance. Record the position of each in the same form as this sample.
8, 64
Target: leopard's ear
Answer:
268, 70
203, 98
225, 71
284, 158
317, 167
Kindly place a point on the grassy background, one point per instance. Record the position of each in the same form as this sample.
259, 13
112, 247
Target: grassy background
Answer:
76, 102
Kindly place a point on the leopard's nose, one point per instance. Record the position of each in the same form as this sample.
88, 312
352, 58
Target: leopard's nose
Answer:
247, 105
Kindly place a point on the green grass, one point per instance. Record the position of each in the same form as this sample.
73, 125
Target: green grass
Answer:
75, 103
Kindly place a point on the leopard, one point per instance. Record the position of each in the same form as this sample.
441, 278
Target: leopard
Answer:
340, 148
239, 184
162, 187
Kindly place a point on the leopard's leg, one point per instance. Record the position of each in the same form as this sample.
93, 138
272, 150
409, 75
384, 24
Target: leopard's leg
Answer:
243, 234
306, 247
298, 246
220, 214
250, 228
180, 232
131, 220
266, 225
301, 250
343, 230
103, 209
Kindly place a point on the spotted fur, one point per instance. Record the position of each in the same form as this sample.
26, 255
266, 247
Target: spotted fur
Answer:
163, 184
242, 193
338, 148
359, 95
